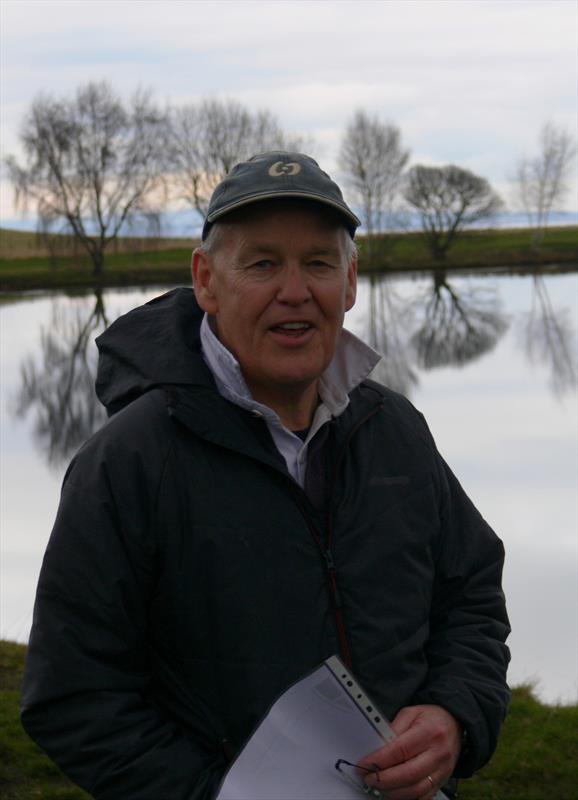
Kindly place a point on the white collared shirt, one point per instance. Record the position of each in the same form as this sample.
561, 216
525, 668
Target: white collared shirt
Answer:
352, 362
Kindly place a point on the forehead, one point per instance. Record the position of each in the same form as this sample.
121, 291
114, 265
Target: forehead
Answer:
283, 218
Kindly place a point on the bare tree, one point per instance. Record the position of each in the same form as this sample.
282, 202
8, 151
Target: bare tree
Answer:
208, 139
542, 181
373, 160
448, 199
92, 165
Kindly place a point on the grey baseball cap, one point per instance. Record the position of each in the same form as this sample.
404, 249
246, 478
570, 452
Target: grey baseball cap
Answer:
274, 175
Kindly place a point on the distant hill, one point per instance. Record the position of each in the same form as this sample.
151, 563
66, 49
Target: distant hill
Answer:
185, 224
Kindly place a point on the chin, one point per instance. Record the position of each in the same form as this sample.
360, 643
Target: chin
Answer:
298, 378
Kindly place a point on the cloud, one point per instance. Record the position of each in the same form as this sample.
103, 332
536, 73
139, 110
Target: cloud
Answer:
466, 82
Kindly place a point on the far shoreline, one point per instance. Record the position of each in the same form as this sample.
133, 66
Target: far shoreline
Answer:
145, 262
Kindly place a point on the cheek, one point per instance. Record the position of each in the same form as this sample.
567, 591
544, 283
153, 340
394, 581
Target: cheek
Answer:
338, 302
236, 323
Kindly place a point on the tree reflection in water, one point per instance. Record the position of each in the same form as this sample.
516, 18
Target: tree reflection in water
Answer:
549, 338
59, 386
389, 319
446, 324
456, 326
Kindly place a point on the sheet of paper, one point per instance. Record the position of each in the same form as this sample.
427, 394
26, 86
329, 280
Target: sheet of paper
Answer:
292, 754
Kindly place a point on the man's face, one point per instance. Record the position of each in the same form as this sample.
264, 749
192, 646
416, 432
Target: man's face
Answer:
278, 284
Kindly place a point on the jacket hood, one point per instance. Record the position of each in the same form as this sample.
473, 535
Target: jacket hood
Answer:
154, 344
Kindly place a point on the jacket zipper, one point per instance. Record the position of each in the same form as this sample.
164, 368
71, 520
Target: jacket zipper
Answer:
325, 547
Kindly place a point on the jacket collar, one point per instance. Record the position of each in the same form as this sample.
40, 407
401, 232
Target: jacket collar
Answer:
158, 345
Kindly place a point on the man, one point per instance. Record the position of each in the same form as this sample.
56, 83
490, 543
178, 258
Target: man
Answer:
254, 505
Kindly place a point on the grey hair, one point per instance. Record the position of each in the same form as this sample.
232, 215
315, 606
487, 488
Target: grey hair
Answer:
351, 247
214, 238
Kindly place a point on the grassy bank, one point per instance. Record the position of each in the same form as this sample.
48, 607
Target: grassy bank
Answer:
146, 261
25, 772
537, 757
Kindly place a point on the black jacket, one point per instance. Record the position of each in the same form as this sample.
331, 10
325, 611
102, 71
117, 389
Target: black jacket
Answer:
185, 584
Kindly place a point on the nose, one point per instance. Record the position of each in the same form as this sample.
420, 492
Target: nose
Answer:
294, 286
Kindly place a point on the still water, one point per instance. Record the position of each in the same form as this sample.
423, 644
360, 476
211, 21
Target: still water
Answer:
491, 362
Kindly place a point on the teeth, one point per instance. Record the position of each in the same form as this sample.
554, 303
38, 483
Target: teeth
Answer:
293, 326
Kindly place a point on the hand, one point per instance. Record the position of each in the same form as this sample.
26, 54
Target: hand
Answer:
428, 744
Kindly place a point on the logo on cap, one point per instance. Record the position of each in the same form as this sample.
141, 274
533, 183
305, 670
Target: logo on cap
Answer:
284, 168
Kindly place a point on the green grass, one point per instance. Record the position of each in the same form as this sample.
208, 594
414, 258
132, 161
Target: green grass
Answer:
123, 269
25, 772
477, 248
24, 244
537, 757
145, 261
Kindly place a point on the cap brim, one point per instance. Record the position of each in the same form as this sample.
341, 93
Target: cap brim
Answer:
261, 196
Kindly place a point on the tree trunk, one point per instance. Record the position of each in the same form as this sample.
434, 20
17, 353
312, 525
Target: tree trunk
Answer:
97, 257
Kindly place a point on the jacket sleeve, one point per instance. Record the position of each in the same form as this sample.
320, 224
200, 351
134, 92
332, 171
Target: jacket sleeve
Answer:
466, 652
86, 698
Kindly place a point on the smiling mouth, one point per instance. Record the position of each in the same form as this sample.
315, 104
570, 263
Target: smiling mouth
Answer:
292, 328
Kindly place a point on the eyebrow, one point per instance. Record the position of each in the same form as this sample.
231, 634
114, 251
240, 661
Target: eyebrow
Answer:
325, 251
271, 249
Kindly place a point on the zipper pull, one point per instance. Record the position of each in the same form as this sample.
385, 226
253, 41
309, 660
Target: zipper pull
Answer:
328, 555
332, 570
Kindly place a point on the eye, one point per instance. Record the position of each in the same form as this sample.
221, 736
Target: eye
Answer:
320, 263
263, 263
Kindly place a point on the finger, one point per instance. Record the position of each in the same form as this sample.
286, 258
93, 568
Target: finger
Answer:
420, 790
405, 747
411, 775
431, 787
430, 729
404, 719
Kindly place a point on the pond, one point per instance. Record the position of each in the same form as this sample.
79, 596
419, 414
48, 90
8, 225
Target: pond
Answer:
490, 359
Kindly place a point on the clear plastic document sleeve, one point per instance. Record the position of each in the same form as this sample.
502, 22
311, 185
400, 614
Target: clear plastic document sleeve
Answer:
324, 717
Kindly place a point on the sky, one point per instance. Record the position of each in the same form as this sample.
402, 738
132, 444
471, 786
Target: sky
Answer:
468, 82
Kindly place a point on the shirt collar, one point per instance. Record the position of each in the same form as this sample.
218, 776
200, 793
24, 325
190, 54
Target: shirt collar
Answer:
352, 362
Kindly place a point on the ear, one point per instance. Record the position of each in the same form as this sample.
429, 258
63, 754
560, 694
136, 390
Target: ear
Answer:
202, 270
351, 289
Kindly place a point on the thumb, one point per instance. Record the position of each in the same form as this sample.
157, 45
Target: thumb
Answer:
404, 719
